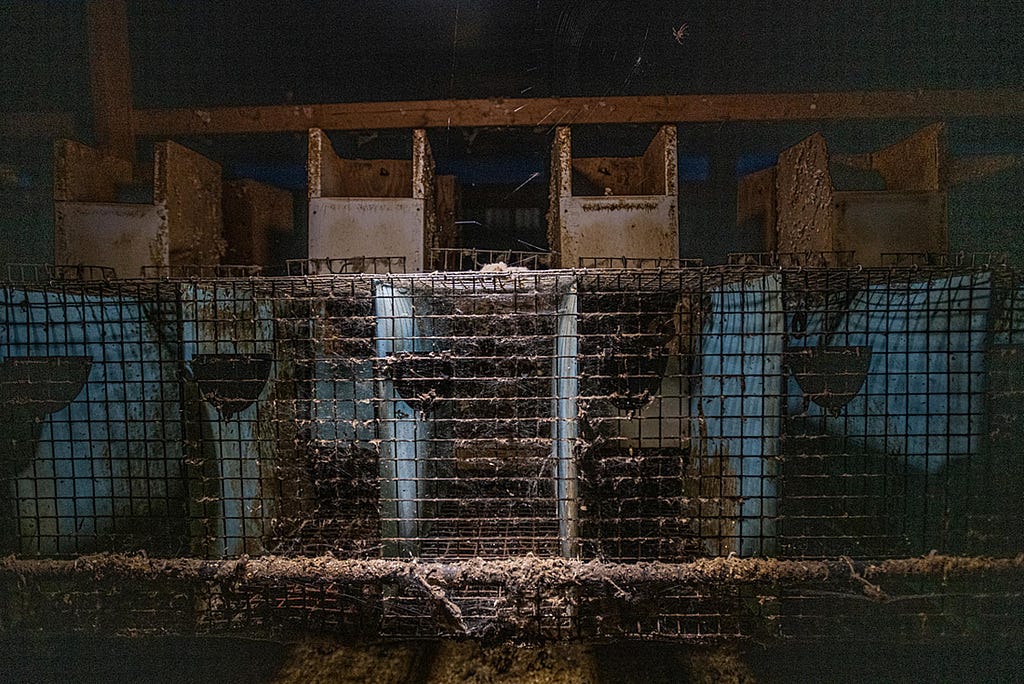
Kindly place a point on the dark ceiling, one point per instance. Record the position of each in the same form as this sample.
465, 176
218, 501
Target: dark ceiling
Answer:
243, 52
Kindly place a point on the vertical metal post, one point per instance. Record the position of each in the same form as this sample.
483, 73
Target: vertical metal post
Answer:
404, 435
566, 390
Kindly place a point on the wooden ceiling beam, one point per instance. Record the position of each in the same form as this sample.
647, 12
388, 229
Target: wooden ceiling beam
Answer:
548, 112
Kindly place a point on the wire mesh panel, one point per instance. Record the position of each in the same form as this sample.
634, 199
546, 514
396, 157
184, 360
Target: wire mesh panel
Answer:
622, 263
361, 264
887, 439
92, 434
465, 375
469, 446
452, 259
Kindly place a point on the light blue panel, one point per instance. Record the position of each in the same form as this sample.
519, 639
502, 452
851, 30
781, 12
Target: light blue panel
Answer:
343, 404
923, 398
230, 321
404, 432
111, 461
738, 401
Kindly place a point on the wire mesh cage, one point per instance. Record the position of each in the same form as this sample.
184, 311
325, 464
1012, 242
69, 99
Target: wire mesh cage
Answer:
201, 271
972, 259
817, 259
335, 266
38, 273
682, 453
458, 259
623, 263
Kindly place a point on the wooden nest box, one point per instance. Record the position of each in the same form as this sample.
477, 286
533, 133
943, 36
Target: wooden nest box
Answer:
611, 207
888, 201
101, 218
372, 208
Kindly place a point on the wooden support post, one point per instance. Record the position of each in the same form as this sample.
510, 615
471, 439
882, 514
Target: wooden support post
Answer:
110, 76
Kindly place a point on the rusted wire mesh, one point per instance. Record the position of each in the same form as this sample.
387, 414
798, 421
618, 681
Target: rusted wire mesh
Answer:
534, 454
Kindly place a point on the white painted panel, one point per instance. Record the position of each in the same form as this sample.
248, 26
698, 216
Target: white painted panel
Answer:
639, 227
345, 227
124, 237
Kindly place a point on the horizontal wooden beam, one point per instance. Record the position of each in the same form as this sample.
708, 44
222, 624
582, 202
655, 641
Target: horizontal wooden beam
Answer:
934, 104
36, 125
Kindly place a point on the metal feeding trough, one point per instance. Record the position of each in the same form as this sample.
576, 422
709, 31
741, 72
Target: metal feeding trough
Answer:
33, 387
830, 376
231, 383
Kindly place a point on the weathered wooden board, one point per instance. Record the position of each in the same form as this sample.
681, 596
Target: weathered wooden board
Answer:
349, 227
812, 216
755, 206
124, 237
372, 208
872, 223
332, 176
917, 104
254, 215
85, 174
189, 186
608, 207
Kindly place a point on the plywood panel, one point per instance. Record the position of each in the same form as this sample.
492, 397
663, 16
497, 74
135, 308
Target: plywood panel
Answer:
332, 176
254, 214
447, 207
755, 205
805, 218
345, 228
659, 164
189, 186
605, 176
870, 223
323, 167
617, 220
635, 227
124, 237
915, 163
424, 187
84, 174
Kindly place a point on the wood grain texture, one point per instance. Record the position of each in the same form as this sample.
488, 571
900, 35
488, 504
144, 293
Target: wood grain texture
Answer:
189, 186
254, 214
85, 174
805, 212
549, 112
